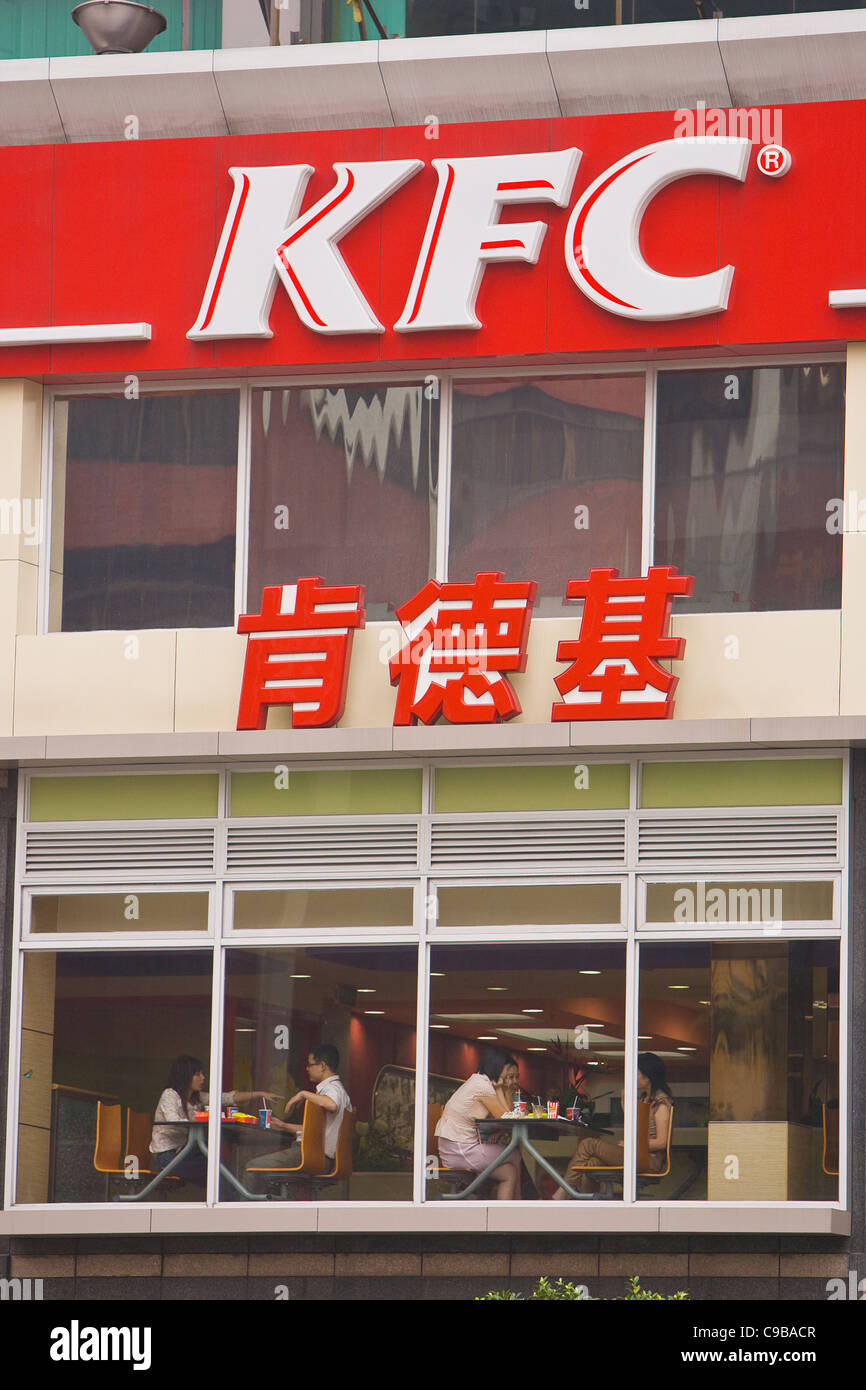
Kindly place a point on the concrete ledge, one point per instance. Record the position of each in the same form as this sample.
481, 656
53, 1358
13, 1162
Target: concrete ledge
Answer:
475, 741
540, 1218
641, 67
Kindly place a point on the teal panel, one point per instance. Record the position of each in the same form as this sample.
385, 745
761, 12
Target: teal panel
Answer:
46, 29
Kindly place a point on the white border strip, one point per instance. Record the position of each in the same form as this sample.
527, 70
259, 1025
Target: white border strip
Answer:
76, 333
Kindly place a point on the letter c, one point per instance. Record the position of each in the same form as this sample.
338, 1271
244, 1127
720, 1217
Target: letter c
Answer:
602, 240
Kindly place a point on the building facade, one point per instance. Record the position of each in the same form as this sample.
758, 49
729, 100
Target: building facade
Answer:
392, 432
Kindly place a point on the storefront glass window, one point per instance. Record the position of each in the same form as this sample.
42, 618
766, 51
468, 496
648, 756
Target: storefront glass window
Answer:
144, 505
748, 463
101, 1032
557, 1014
343, 485
296, 1018
546, 480
747, 1038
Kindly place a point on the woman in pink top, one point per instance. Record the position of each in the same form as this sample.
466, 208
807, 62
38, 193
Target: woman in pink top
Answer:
480, 1096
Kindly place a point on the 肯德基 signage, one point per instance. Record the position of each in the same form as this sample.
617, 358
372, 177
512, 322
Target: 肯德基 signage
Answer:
461, 641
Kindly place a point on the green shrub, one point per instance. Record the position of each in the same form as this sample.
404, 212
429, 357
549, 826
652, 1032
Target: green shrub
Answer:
578, 1293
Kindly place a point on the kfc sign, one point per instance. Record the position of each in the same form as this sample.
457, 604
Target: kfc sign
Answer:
264, 240
461, 642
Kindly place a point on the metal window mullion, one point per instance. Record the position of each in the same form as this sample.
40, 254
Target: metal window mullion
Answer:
242, 509
632, 966
443, 482
216, 1074
43, 579
421, 1065
649, 449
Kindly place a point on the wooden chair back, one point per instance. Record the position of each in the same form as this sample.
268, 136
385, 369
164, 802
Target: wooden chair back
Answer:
108, 1151
830, 1139
644, 1170
343, 1163
138, 1132
434, 1115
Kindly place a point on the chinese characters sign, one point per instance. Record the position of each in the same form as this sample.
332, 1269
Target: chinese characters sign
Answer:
461, 641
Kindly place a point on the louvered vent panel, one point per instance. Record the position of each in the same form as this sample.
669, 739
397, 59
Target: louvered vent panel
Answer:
323, 847
58, 852
507, 843
711, 839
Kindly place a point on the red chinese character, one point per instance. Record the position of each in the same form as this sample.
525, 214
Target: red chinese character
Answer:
623, 635
462, 637
298, 652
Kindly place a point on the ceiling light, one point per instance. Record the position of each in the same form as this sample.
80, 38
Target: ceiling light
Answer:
705, 1001
536, 1049
819, 1003
365, 991
374, 1013
532, 1011
245, 1030
645, 1037
437, 974
440, 1025
498, 987
687, 1049
589, 972
299, 977
487, 1037
679, 986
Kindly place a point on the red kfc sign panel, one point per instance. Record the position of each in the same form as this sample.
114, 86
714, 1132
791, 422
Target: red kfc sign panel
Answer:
579, 236
461, 641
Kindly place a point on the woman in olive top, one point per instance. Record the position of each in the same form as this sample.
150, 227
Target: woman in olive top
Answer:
596, 1152
482, 1095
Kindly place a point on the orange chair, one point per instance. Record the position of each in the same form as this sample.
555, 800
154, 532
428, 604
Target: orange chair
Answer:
139, 1127
342, 1171
644, 1170
108, 1151
453, 1177
313, 1162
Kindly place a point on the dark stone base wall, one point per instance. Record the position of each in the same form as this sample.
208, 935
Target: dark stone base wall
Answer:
311, 1267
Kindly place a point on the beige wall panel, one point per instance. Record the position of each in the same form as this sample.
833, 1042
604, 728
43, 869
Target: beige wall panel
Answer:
853, 676
758, 1152
18, 599
40, 972
210, 663
85, 683
781, 664
33, 1154
21, 506
37, 1057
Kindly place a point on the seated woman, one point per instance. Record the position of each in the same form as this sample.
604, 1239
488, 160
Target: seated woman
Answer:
182, 1097
483, 1094
597, 1152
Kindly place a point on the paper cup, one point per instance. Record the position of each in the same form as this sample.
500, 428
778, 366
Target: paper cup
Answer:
265, 1118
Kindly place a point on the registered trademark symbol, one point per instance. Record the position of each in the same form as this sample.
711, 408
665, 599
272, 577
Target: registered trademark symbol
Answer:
774, 160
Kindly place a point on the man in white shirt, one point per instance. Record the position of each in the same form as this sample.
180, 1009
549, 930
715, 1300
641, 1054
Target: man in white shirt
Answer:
330, 1093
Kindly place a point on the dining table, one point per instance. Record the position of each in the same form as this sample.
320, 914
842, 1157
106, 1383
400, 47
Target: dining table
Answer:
233, 1131
521, 1130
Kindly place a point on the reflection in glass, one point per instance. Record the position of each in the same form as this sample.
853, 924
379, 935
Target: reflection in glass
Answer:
146, 493
119, 912
343, 485
749, 1034
557, 1010
746, 462
100, 1031
546, 480
283, 1004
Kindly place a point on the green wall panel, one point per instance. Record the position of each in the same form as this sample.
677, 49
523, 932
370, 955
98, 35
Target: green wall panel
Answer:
125, 798
357, 793
758, 782
570, 787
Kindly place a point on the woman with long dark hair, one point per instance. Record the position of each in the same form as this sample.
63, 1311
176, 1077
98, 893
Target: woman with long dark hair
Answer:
182, 1097
597, 1152
482, 1095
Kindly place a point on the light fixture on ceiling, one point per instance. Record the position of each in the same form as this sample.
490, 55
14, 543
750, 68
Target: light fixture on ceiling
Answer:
589, 972
118, 26
532, 1011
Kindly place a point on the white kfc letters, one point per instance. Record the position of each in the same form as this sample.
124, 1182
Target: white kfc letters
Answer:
264, 239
